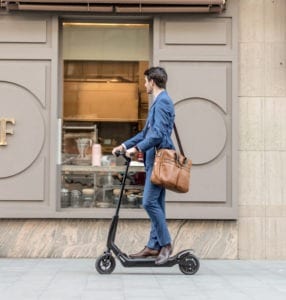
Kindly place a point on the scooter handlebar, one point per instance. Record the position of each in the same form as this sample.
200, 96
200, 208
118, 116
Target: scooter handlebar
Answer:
122, 153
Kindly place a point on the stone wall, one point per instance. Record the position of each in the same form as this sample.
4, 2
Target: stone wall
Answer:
262, 101
87, 238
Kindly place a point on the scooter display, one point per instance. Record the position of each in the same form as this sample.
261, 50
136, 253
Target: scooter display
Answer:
105, 264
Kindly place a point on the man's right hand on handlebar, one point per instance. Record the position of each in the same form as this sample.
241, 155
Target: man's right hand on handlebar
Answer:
119, 148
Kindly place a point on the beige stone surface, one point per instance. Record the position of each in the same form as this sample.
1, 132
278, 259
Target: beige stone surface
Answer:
262, 36
275, 69
251, 69
276, 242
262, 129
252, 211
208, 238
275, 173
252, 81
251, 123
276, 211
251, 20
252, 238
252, 178
87, 238
274, 20
275, 123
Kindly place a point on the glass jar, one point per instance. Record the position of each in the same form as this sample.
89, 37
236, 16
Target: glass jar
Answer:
88, 197
76, 198
65, 198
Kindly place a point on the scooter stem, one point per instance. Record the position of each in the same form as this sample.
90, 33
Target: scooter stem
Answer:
127, 162
114, 222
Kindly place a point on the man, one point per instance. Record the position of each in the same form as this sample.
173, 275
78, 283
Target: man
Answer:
155, 135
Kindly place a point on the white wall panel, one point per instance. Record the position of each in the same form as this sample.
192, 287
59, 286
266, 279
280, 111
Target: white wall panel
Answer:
23, 31
28, 85
200, 57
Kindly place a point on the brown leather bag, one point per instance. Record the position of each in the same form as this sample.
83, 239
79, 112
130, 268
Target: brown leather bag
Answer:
171, 169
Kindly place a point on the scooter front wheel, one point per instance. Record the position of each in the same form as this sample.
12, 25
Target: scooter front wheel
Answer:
105, 264
189, 264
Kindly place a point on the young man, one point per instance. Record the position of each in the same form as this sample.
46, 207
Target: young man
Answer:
155, 135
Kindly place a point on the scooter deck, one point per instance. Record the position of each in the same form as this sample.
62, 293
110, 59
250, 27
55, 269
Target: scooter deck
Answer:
127, 261
145, 262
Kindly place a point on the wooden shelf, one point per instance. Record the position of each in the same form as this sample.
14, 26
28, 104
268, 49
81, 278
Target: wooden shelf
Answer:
89, 169
86, 119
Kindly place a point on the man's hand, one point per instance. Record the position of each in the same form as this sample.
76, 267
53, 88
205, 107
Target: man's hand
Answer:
119, 148
131, 152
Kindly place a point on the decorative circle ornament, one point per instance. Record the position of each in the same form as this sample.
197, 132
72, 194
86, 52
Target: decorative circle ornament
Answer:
202, 129
27, 138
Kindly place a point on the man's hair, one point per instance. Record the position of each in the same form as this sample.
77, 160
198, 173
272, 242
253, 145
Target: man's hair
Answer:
158, 75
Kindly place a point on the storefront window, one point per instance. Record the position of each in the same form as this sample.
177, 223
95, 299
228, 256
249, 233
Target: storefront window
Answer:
104, 103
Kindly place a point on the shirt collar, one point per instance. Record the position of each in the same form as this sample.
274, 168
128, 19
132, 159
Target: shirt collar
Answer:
156, 96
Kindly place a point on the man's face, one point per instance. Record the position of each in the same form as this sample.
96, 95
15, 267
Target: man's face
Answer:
149, 85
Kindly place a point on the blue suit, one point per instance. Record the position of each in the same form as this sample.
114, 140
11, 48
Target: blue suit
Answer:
155, 135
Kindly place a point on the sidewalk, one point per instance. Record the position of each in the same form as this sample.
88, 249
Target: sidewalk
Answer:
69, 279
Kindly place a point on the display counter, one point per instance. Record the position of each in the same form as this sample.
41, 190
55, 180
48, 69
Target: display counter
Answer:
97, 187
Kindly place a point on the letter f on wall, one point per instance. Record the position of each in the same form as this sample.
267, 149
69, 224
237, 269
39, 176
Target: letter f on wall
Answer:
4, 130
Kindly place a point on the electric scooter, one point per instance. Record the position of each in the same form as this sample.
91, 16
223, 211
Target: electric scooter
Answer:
105, 264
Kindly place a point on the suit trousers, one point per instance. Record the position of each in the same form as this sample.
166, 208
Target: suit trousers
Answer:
154, 204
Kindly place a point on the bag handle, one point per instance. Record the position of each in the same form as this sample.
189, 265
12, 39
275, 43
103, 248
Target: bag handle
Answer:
178, 140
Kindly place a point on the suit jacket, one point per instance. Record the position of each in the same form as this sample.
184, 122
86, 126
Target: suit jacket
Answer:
157, 131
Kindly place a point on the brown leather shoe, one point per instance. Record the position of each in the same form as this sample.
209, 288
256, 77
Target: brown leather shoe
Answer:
145, 253
164, 254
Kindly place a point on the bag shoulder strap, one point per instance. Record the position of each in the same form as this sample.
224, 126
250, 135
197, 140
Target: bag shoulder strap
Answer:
178, 140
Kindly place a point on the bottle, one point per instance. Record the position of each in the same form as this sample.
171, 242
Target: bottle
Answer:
96, 150
96, 155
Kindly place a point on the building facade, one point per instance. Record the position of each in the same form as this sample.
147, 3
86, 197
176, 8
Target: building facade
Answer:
226, 67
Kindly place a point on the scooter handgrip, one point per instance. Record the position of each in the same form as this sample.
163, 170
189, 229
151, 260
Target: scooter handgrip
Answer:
117, 153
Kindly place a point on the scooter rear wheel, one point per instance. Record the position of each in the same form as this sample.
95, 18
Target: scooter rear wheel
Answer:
189, 264
105, 264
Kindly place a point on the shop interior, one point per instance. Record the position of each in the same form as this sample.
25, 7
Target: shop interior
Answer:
104, 103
